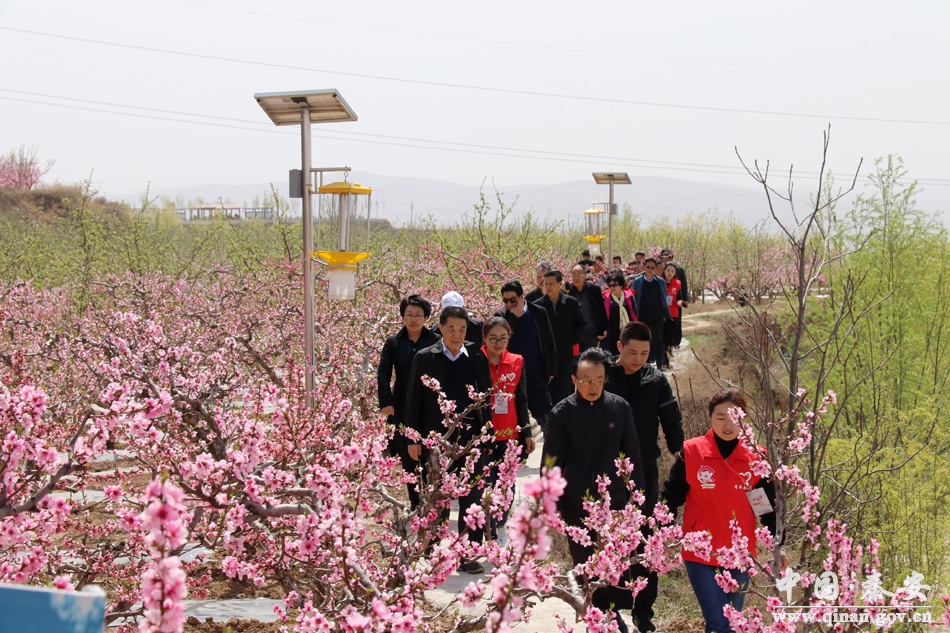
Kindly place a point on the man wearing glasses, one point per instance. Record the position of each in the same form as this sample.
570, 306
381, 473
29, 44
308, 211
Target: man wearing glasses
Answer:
587, 432
649, 292
532, 338
592, 308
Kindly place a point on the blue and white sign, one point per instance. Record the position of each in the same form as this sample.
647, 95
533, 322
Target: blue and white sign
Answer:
42, 610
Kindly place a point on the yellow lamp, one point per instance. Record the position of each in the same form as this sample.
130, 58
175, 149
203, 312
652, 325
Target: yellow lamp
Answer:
593, 221
348, 201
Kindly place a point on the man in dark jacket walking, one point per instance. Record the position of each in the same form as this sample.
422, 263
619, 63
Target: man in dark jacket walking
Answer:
532, 338
651, 399
457, 364
540, 271
650, 294
587, 432
567, 323
398, 353
592, 308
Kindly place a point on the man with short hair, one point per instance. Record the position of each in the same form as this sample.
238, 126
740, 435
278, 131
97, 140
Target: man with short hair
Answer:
567, 323
539, 271
532, 338
457, 364
600, 271
633, 270
592, 308
640, 256
650, 297
617, 262
398, 354
585, 258
587, 432
648, 392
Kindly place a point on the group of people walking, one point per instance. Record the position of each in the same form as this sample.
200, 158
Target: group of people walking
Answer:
546, 354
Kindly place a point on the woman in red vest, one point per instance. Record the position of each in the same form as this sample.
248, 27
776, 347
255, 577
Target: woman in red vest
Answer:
673, 329
510, 402
713, 477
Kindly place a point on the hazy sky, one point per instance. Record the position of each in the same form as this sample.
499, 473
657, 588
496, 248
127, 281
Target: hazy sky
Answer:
662, 88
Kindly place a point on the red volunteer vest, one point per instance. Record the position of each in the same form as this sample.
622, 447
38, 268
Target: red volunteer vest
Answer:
673, 292
716, 494
506, 424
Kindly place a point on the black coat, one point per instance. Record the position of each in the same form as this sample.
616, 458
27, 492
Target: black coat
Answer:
651, 399
567, 323
584, 438
596, 299
545, 335
422, 404
398, 352
534, 296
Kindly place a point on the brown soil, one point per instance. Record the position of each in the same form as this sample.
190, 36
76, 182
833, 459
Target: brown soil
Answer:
194, 625
221, 587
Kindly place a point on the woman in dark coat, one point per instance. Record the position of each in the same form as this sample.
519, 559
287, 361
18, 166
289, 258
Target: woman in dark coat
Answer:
397, 354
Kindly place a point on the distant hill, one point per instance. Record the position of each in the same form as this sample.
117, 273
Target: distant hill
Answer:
46, 204
401, 199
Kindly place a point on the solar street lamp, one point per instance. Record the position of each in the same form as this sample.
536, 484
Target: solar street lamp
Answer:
303, 108
611, 178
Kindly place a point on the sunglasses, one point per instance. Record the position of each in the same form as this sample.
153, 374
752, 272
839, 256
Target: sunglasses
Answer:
512, 300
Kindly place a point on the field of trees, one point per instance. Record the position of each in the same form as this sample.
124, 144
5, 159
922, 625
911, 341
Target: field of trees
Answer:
176, 349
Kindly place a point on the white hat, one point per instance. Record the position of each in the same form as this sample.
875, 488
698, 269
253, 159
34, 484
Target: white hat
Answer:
453, 298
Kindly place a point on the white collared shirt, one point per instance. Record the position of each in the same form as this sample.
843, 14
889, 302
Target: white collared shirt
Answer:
450, 355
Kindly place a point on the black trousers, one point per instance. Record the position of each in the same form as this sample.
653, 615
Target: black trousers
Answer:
399, 446
644, 601
657, 347
674, 331
473, 498
587, 343
608, 597
539, 398
562, 386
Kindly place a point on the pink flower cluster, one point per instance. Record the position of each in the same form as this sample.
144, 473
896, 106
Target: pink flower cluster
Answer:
163, 584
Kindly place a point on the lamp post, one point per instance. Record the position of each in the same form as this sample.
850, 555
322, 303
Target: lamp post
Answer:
303, 108
611, 178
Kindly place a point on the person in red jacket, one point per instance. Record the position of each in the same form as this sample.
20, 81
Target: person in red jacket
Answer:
714, 479
510, 403
672, 329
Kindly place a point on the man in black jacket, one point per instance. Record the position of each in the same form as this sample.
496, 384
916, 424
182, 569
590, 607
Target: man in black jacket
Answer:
457, 364
587, 432
532, 338
539, 272
592, 307
567, 323
398, 353
651, 399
